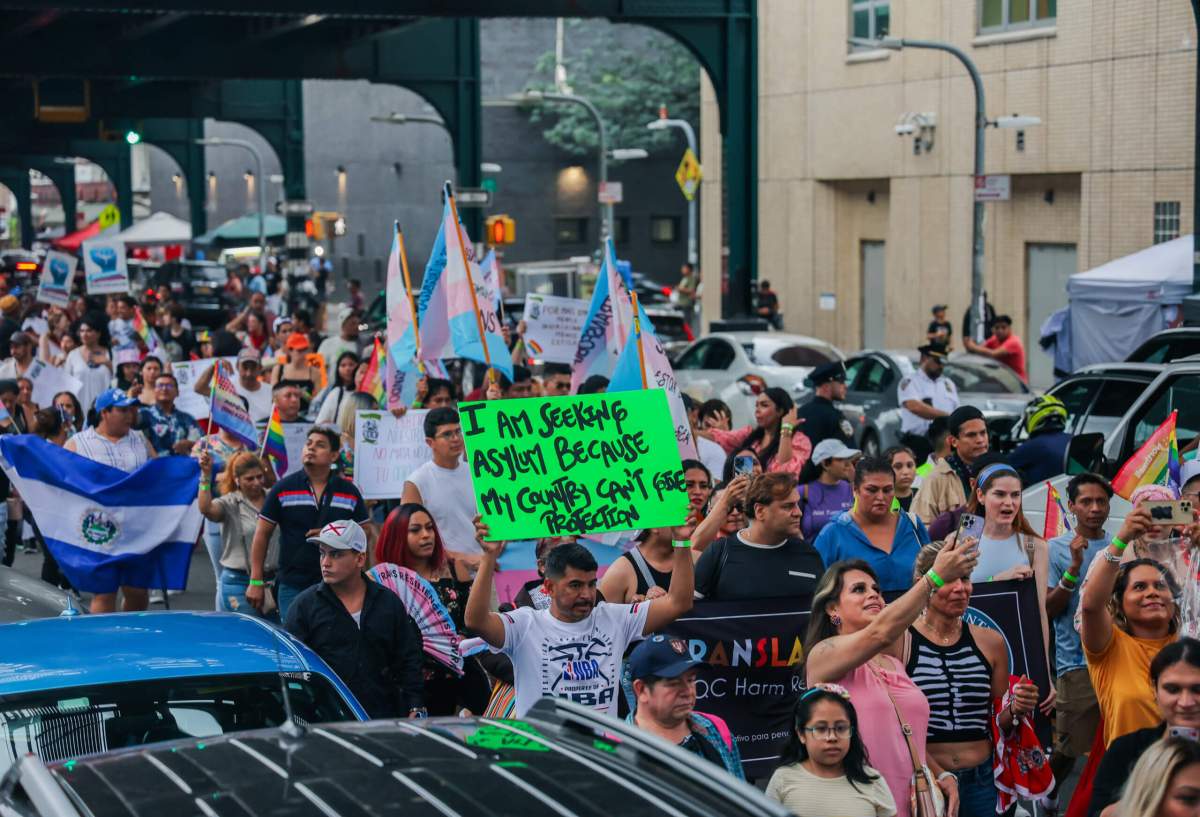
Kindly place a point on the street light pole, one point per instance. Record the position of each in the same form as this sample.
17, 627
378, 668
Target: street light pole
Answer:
606, 208
981, 123
260, 180
685, 126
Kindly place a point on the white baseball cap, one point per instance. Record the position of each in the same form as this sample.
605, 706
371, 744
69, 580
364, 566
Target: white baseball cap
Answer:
345, 534
1189, 471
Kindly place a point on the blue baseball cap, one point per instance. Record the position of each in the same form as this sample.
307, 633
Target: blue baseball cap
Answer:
114, 398
661, 656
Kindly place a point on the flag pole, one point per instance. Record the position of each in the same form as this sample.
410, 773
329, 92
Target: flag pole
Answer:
262, 449
212, 400
462, 246
637, 334
412, 304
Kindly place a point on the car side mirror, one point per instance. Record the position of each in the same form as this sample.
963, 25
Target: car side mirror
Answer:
1085, 453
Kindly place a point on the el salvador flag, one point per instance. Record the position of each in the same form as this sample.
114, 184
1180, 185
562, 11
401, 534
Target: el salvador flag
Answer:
106, 527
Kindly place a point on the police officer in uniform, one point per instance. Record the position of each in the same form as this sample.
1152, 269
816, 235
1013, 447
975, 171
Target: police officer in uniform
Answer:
821, 418
923, 396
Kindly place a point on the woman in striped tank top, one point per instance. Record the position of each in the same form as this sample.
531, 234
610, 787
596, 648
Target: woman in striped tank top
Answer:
960, 667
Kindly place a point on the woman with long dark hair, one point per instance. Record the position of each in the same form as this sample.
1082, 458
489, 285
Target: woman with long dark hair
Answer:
327, 405
824, 768
68, 404
1128, 613
410, 539
773, 437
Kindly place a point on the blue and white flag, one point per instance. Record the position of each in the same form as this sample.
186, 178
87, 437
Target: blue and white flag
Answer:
608, 324
106, 527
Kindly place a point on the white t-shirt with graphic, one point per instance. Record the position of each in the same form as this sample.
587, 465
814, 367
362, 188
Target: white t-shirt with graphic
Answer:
578, 661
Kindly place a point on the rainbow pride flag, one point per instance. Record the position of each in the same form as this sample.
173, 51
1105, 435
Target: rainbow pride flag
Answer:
143, 329
1056, 515
373, 377
274, 448
1155, 463
226, 408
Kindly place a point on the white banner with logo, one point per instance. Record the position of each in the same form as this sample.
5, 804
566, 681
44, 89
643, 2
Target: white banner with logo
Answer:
386, 450
104, 266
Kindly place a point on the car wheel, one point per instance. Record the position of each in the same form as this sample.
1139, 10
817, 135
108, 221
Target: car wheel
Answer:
870, 444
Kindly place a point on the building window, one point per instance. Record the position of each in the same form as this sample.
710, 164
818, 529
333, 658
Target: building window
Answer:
869, 20
1166, 221
621, 230
570, 230
1010, 15
664, 229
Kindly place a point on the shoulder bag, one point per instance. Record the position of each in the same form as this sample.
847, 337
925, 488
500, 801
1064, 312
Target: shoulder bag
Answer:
925, 798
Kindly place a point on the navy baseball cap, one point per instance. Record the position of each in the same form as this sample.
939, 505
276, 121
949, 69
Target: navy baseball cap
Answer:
114, 398
661, 656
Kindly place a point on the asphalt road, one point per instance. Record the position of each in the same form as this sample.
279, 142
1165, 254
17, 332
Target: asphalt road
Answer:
201, 586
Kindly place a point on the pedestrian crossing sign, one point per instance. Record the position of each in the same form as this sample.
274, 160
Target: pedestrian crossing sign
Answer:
688, 174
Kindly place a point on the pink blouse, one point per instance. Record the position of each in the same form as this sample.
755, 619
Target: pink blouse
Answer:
887, 751
733, 441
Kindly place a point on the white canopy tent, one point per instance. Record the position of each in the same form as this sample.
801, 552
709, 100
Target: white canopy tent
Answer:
158, 229
1116, 306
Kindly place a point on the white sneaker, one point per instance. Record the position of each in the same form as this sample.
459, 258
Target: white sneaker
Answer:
156, 597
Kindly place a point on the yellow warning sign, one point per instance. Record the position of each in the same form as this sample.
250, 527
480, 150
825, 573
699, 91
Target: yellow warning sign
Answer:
688, 174
110, 216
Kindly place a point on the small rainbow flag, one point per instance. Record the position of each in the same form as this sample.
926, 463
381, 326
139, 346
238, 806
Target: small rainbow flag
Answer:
372, 381
148, 335
1155, 463
1056, 515
226, 408
274, 448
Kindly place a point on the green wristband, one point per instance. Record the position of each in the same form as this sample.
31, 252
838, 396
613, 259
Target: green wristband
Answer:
1068, 577
681, 543
258, 583
937, 580
1119, 545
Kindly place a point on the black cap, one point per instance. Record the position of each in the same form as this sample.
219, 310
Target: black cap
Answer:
826, 373
661, 656
937, 308
937, 350
962, 415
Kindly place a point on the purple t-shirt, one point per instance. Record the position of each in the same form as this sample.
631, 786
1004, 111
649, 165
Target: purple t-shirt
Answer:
822, 504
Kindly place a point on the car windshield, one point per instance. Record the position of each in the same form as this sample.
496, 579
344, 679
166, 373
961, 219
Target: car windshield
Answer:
1165, 350
976, 377
59, 724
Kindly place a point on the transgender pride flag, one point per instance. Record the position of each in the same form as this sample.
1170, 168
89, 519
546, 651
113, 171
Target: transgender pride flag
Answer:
608, 324
401, 323
449, 323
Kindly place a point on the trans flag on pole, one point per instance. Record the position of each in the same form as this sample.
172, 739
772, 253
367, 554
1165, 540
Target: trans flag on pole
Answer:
401, 323
106, 527
461, 304
432, 306
627, 376
608, 324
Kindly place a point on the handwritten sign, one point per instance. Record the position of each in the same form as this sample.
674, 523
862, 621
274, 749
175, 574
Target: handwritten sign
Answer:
386, 450
104, 266
48, 381
553, 326
58, 274
569, 465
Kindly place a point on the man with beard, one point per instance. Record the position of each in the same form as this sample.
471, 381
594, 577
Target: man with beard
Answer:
573, 649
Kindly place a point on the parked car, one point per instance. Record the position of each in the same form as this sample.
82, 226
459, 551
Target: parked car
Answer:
734, 366
74, 686
23, 598
1168, 345
873, 408
20, 267
1112, 410
561, 759
198, 285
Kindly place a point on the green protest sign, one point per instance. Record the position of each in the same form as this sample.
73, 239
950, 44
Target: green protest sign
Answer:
557, 466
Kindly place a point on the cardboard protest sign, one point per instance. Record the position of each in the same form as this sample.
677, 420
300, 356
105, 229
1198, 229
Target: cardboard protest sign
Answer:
104, 266
58, 275
553, 326
580, 464
386, 450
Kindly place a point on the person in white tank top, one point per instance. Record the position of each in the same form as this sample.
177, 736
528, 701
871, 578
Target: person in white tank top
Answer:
443, 485
114, 443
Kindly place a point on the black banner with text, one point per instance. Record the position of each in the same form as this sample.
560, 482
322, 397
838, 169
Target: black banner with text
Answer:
754, 656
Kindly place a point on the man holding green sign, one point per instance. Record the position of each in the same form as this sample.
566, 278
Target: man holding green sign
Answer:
571, 465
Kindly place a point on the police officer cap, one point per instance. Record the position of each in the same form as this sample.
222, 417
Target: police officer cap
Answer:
826, 373
937, 350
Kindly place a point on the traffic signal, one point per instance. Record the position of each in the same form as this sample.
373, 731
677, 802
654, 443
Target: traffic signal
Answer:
501, 229
314, 228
